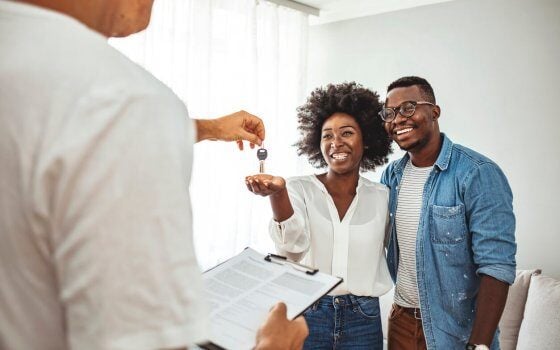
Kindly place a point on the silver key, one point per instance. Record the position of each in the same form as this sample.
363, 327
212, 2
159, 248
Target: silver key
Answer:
261, 155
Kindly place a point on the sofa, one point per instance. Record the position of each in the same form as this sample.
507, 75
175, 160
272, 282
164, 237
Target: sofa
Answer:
531, 318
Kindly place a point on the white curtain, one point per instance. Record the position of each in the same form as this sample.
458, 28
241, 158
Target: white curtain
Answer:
221, 56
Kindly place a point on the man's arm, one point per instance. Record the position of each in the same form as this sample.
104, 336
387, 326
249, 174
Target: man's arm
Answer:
488, 202
491, 300
236, 127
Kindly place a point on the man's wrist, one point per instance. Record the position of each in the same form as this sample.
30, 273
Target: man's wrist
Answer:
205, 129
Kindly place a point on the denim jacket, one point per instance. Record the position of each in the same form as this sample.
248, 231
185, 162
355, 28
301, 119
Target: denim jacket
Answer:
466, 229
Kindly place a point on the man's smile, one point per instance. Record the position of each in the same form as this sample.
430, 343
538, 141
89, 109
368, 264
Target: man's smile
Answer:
402, 131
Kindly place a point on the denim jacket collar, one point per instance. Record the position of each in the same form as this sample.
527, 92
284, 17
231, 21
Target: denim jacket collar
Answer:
442, 161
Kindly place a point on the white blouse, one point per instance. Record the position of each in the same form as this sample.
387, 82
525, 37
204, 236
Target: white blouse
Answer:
351, 248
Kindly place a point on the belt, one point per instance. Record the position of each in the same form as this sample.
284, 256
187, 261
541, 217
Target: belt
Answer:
412, 311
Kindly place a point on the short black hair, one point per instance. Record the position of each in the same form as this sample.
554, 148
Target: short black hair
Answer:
350, 98
423, 85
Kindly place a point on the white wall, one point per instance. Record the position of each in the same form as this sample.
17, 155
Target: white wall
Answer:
494, 66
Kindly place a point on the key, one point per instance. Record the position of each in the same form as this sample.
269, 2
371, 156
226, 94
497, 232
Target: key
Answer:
261, 155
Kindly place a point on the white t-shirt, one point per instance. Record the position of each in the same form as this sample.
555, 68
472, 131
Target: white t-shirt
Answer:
96, 246
351, 248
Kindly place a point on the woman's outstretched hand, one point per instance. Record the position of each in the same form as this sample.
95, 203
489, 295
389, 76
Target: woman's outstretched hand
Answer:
265, 184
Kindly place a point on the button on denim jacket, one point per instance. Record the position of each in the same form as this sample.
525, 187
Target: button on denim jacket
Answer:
466, 228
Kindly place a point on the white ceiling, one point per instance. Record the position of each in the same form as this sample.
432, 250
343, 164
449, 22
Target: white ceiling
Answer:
338, 10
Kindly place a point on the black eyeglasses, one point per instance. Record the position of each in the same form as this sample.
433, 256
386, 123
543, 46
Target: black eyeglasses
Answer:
406, 109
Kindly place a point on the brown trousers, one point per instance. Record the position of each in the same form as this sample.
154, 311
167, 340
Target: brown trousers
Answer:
405, 330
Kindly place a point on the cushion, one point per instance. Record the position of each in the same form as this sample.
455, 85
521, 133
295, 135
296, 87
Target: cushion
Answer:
540, 328
515, 306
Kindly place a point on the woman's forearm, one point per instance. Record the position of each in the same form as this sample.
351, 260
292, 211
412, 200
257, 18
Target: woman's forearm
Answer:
281, 206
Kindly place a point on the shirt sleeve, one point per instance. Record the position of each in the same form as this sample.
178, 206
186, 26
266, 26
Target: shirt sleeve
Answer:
122, 230
385, 176
385, 181
292, 236
489, 206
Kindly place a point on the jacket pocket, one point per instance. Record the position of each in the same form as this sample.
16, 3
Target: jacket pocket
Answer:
448, 224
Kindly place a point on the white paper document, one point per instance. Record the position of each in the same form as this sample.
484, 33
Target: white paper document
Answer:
242, 290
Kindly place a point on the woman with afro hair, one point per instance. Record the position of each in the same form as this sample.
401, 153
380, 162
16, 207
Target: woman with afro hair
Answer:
336, 221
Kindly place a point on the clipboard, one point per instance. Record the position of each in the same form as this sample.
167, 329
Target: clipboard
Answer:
279, 259
242, 290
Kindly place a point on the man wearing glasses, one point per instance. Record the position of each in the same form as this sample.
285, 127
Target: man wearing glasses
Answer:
451, 245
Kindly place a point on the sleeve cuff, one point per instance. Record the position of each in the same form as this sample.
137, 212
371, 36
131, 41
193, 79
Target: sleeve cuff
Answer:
280, 230
289, 236
504, 273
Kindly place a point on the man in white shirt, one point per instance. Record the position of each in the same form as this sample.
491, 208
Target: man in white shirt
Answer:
95, 163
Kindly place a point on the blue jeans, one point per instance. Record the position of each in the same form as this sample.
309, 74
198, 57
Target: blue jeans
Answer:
344, 322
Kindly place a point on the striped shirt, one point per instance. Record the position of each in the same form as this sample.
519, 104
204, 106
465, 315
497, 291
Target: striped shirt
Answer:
409, 206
